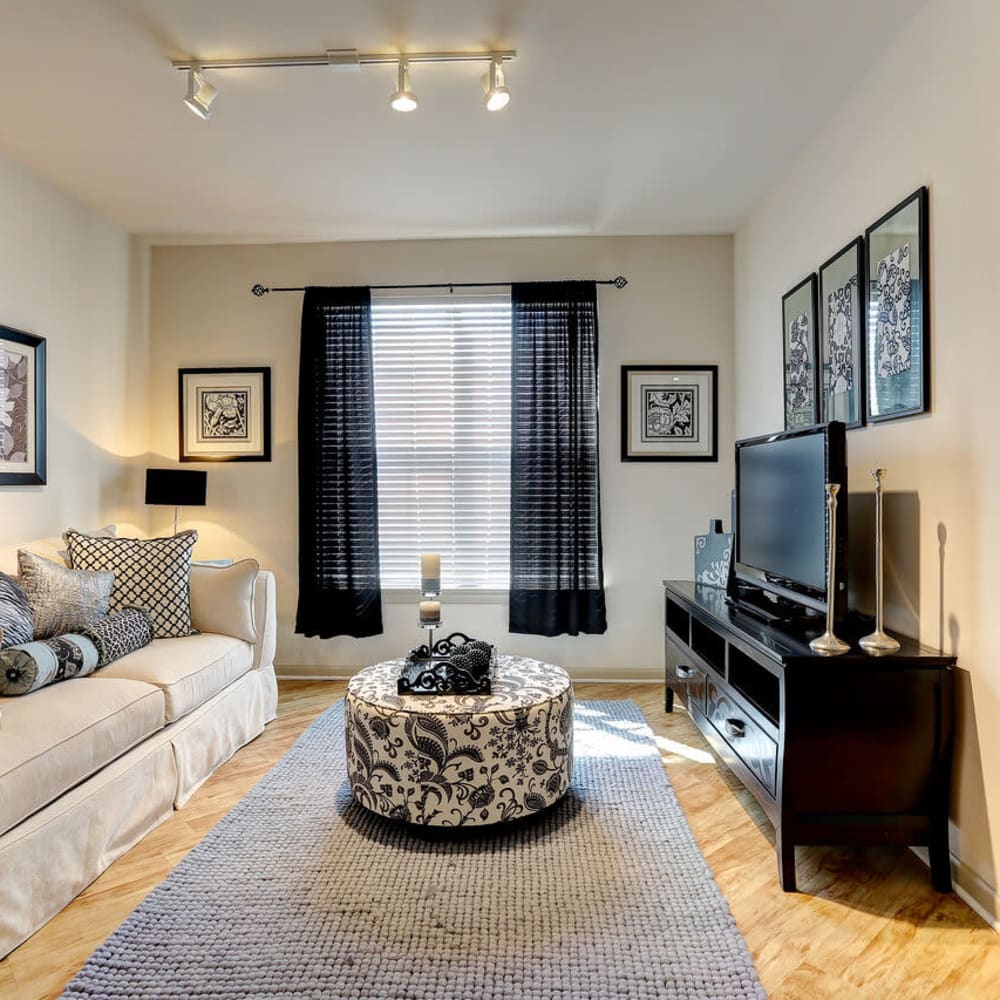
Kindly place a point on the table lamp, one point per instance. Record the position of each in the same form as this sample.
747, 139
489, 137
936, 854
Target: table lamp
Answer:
176, 488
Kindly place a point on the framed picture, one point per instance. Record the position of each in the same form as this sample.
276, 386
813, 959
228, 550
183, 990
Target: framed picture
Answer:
670, 413
841, 336
22, 409
798, 323
225, 414
897, 335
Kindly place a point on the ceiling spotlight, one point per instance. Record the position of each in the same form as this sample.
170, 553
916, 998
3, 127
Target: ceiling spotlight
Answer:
200, 94
497, 94
403, 99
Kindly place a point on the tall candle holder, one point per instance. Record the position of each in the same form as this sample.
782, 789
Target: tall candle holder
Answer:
879, 643
828, 644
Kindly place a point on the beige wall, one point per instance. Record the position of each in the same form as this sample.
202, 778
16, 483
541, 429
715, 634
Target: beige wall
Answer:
677, 307
925, 115
69, 275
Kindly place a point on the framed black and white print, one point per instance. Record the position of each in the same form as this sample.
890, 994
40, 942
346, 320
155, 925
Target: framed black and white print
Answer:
841, 336
897, 331
22, 409
225, 414
670, 413
798, 323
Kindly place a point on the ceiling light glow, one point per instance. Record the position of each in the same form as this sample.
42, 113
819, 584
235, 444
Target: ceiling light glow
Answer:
497, 95
403, 99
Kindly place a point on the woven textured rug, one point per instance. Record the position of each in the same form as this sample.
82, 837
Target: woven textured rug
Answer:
300, 893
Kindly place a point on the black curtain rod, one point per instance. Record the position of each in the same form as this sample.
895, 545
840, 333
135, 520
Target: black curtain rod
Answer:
260, 290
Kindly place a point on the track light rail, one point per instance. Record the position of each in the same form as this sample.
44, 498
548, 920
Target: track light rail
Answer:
620, 281
344, 58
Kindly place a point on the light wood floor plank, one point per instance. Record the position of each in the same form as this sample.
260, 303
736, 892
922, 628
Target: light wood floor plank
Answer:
866, 924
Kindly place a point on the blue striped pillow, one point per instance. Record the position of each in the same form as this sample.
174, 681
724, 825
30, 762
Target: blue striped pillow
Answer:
17, 621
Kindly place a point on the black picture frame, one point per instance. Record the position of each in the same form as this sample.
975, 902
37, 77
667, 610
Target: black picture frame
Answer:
255, 382
842, 372
898, 360
639, 386
31, 420
800, 370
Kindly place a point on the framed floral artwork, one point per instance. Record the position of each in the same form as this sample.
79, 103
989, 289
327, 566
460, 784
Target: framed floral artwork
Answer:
841, 336
798, 323
225, 414
22, 409
897, 335
670, 413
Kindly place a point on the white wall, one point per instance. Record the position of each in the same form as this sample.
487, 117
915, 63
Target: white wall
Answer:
69, 275
677, 308
926, 114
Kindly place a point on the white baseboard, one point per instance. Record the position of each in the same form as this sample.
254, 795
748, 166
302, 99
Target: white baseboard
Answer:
309, 672
973, 890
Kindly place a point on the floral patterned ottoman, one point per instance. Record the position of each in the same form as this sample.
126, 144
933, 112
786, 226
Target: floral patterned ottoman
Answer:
461, 760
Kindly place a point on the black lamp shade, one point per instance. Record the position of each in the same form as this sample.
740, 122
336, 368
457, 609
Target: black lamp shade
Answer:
176, 487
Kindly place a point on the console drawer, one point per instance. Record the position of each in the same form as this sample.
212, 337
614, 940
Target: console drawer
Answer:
684, 677
748, 741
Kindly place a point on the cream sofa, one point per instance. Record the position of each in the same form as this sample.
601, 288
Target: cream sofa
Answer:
89, 766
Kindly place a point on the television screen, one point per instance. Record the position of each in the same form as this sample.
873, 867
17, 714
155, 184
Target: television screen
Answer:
781, 508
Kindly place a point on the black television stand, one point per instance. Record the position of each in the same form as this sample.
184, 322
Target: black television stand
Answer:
849, 749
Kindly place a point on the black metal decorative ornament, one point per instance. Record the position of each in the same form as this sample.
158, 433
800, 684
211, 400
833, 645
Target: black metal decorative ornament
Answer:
455, 665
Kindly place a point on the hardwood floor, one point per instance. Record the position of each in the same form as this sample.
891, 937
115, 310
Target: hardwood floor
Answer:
866, 924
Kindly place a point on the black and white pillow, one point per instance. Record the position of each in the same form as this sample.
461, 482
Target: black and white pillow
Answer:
119, 634
17, 622
150, 573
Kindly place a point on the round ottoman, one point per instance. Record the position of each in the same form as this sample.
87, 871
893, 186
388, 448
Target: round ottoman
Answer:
461, 760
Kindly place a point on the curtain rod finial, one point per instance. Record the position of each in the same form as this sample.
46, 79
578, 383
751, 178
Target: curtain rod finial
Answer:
621, 281
259, 290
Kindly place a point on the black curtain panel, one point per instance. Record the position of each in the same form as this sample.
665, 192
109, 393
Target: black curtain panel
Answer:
556, 568
339, 591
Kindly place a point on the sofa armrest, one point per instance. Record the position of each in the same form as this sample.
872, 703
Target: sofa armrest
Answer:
265, 618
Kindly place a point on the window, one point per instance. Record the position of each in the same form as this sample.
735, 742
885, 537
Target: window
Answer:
442, 418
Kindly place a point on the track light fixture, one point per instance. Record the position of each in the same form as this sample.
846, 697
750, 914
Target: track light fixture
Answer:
403, 99
497, 95
201, 94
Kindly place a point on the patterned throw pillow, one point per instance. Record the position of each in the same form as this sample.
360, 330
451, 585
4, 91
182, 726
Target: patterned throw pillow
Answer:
33, 665
150, 573
16, 620
62, 599
119, 634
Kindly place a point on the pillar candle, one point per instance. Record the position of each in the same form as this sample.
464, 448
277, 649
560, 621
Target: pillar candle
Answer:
430, 573
430, 612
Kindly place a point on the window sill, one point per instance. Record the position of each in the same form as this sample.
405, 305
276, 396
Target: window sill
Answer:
398, 595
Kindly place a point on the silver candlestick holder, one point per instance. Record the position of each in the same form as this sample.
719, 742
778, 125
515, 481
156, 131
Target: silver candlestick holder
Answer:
879, 642
828, 644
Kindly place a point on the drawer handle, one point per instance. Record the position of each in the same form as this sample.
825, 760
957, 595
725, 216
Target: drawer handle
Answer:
736, 728
684, 672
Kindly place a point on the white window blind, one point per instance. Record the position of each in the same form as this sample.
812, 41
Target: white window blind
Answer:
442, 417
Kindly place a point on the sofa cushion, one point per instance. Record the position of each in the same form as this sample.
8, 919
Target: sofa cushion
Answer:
35, 665
50, 548
53, 739
17, 621
62, 599
188, 670
150, 573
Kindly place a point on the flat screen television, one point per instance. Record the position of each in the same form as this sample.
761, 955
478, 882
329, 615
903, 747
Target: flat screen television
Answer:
781, 518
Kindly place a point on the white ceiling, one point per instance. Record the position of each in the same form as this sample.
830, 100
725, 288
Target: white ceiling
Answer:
665, 116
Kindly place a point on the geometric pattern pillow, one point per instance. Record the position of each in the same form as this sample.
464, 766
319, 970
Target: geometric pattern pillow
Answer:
35, 664
119, 634
17, 623
150, 573
62, 599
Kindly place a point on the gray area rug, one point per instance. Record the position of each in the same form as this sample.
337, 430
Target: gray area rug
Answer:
298, 892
